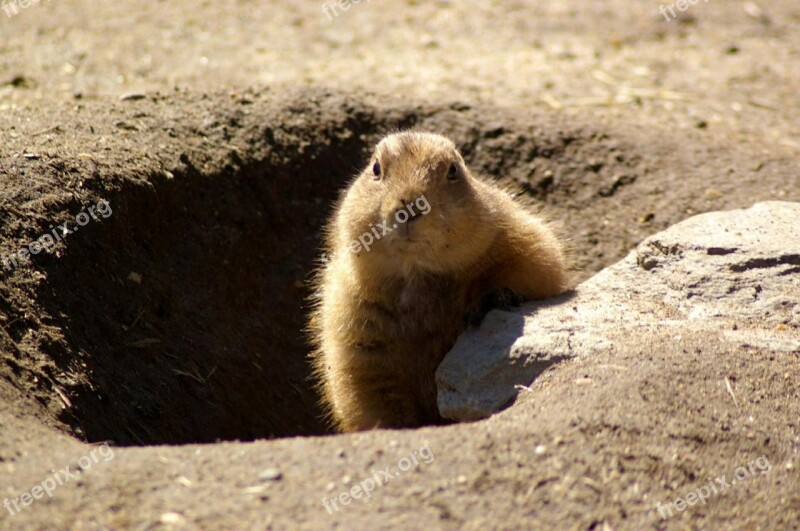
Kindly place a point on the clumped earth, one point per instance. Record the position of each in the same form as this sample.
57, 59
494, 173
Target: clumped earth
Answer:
179, 318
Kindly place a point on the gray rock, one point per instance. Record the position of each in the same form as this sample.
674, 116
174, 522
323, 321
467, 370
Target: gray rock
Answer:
732, 276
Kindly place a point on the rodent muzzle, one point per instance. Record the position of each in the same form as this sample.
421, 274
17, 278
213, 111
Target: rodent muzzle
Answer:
414, 217
403, 217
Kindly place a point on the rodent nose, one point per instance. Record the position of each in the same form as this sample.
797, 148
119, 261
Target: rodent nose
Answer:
409, 214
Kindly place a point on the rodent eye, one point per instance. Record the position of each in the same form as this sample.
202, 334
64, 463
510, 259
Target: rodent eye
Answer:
452, 173
376, 170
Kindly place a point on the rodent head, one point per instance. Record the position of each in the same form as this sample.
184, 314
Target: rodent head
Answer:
415, 206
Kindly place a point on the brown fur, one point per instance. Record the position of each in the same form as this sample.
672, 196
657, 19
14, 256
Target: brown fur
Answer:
386, 317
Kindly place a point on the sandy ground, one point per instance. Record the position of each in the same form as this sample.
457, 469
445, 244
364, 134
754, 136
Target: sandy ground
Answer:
732, 65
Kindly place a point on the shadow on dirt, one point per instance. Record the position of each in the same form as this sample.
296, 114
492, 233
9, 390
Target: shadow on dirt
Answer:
188, 305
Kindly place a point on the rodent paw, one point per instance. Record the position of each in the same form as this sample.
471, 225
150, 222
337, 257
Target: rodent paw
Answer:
497, 299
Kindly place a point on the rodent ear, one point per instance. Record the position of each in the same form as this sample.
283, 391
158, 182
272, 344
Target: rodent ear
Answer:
376, 170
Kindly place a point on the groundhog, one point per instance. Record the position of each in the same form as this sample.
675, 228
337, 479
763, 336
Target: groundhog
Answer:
418, 248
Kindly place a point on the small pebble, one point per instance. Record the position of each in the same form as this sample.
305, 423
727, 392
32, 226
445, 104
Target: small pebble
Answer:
270, 474
172, 519
132, 96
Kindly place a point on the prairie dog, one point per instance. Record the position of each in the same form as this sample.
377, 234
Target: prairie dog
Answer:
416, 243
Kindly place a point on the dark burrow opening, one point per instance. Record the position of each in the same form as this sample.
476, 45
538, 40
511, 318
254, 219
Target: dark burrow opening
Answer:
185, 310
